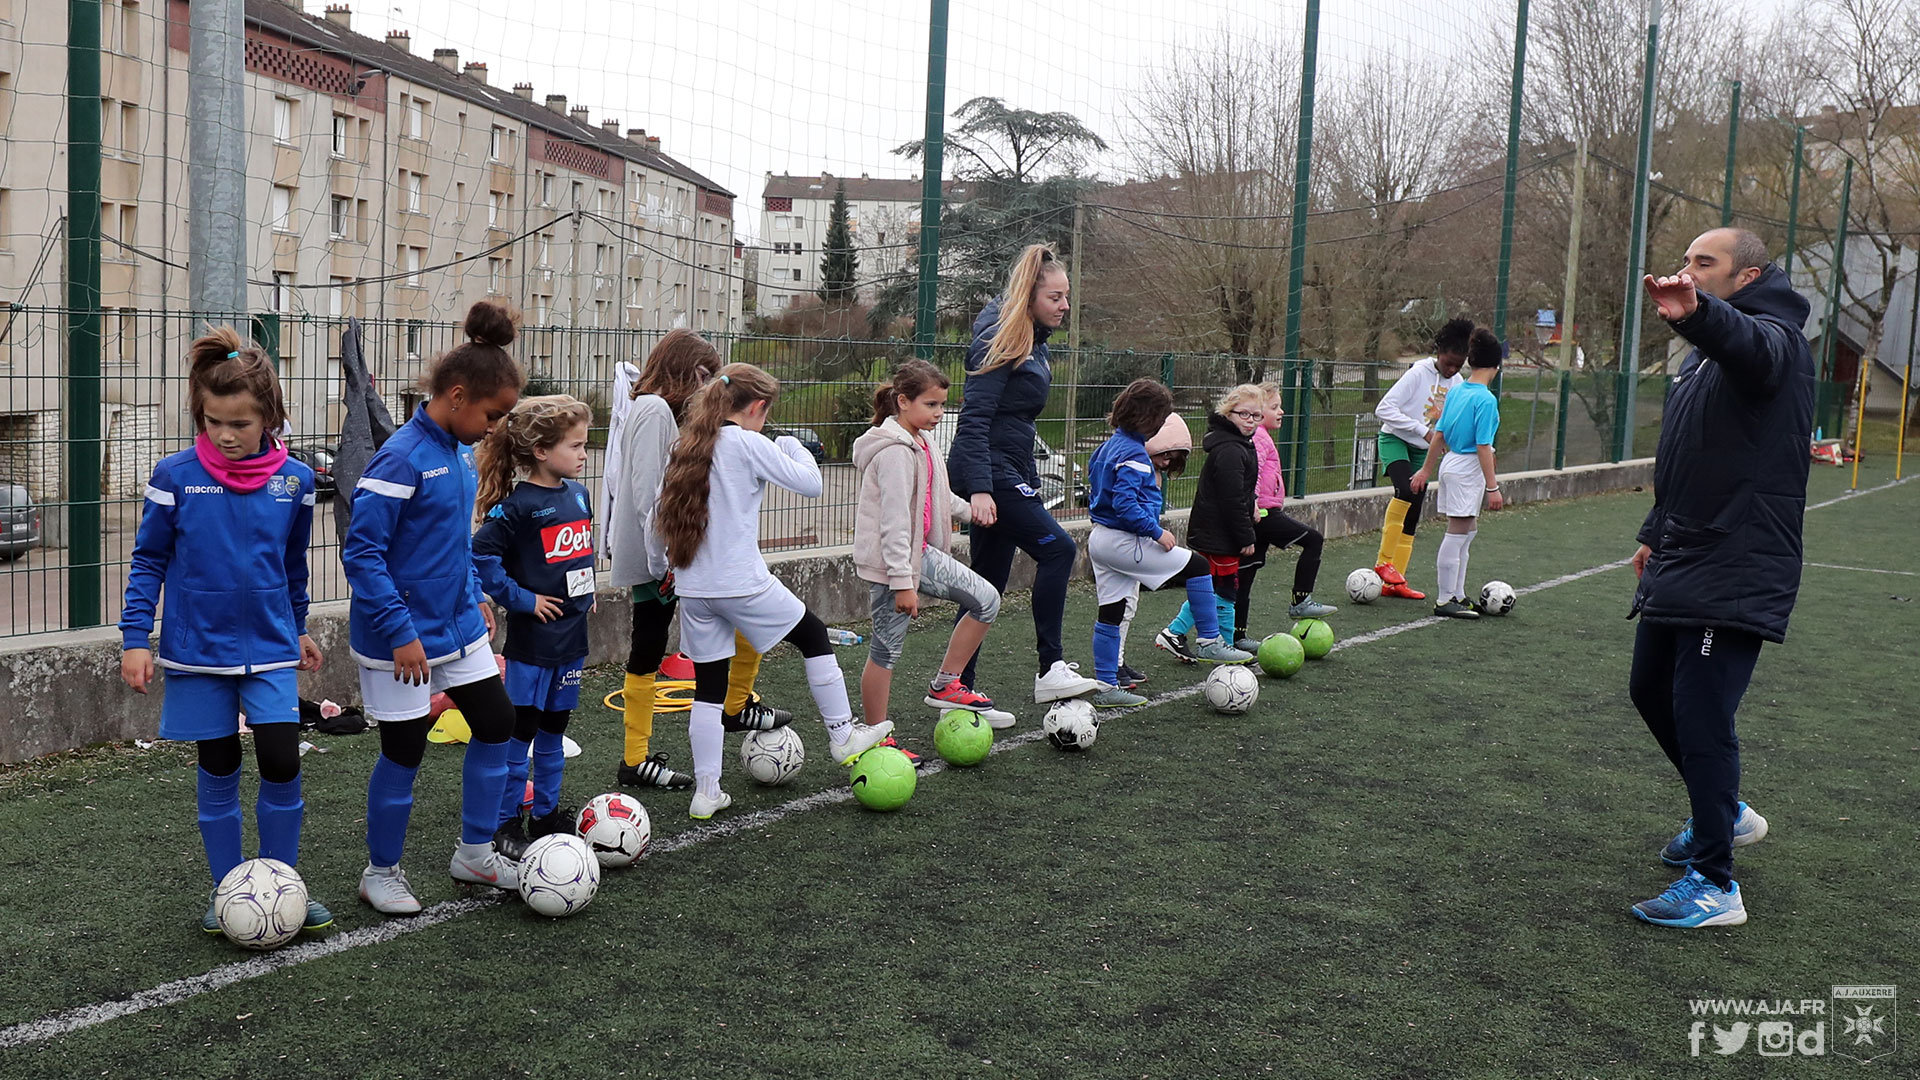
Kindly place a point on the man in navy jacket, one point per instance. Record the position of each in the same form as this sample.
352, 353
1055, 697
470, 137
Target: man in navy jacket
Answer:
1720, 552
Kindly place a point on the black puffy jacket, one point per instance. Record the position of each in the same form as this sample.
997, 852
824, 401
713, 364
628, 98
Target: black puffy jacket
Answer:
1730, 476
1222, 519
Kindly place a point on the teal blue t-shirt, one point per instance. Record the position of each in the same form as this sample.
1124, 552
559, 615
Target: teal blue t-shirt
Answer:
1471, 418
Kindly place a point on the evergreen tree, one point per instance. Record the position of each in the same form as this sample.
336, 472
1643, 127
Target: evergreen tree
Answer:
840, 263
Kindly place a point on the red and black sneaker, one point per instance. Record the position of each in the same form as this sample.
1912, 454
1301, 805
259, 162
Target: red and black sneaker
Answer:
911, 756
1402, 590
1130, 677
1388, 575
958, 695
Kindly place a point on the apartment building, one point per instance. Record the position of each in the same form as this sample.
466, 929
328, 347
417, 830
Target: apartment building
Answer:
884, 215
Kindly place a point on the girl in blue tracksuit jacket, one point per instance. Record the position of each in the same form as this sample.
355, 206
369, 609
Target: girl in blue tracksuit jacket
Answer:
534, 554
224, 532
419, 624
1129, 548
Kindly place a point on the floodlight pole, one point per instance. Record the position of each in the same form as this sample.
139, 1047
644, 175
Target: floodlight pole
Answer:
932, 155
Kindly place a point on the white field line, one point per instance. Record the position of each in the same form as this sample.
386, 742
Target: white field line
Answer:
179, 990
1865, 491
1863, 569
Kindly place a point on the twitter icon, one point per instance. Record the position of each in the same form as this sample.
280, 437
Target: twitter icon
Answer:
1724, 1041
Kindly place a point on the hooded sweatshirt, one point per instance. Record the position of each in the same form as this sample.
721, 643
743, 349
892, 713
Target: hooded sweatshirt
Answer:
1222, 519
898, 513
1411, 408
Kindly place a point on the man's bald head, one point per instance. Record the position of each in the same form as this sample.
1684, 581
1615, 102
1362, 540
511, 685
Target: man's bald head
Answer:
1724, 261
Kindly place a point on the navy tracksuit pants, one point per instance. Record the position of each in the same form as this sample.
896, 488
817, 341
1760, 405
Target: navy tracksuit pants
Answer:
1023, 524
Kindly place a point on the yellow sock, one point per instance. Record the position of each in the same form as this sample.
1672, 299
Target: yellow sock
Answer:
638, 693
1392, 531
1403, 553
741, 675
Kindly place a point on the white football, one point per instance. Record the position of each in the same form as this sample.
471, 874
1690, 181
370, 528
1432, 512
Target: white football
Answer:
772, 757
558, 875
1232, 689
616, 827
1071, 725
261, 904
1363, 586
1496, 598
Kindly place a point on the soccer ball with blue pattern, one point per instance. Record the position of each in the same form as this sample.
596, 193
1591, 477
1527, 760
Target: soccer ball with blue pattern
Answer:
1231, 689
260, 904
559, 875
772, 757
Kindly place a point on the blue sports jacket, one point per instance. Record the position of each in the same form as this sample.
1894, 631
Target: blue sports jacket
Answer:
234, 567
409, 551
1124, 494
993, 438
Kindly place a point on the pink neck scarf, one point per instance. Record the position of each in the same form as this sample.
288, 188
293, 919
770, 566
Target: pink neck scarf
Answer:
247, 474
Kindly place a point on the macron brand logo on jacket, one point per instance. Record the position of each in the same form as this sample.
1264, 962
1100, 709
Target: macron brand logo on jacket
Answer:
431, 473
203, 489
568, 541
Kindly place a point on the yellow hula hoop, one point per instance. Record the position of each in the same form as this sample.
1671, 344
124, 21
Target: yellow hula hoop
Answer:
669, 695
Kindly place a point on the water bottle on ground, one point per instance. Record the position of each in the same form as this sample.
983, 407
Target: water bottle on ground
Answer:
843, 637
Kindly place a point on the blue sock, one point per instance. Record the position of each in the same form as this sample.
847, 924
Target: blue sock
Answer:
1227, 611
1202, 607
512, 794
278, 811
1106, 653
220, 821
1183, 622
549, 763
389, 805
481, 777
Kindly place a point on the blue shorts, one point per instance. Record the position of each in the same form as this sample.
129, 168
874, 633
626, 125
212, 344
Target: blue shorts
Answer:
194, 706
554, 689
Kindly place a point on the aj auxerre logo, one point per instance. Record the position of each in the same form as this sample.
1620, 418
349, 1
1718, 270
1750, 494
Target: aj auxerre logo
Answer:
1864, 1019
431, 473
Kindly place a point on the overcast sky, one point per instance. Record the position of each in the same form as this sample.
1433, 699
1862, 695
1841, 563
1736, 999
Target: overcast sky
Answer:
735, 88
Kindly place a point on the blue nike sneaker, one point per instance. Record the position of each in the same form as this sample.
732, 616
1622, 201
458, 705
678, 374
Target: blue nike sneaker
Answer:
1748, 828
1694, 901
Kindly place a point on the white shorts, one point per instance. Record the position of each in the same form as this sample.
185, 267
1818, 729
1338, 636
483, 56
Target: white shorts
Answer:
1123, 562
1463, 487
384, 697
707, 623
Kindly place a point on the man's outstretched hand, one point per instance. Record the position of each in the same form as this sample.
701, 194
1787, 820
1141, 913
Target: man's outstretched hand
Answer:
1675, 297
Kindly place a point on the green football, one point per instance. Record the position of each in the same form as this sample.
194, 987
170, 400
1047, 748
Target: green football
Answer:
1281, 655
962, 737
1316, 635
883, 779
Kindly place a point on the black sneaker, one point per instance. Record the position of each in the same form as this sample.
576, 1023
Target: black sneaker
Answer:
1131, 676
558, 820
653, 772
756, 716
1175, 644
511, 839
1454, 609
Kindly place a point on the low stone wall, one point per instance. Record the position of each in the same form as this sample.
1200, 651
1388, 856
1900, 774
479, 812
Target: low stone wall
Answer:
63, 690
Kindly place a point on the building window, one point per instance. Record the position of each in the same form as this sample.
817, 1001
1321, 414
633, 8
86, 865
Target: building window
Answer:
366, 138
494, 268
460, 201
337, 297
6, 231
129, 120
546, 189
414, 333
109, 132
540, 310
497, 143
410, 184
339, 211
415, 259
600, 258
417, 118
129, 224
360, 220
494, 208
283, 120
545, 242
282, 292
796, 275
339, 136
280, 208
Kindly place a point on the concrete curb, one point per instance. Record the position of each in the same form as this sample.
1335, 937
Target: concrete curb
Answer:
63, 690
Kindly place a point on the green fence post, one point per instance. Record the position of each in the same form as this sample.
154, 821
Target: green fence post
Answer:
1560, 432
84, 123
1733, 143
1793, 199
1166, 369
932, 155
1837, 271
1297, 248
1505, 272
1637, 243
1305, 398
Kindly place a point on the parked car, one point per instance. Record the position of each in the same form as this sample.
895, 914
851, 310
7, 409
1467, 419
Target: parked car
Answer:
808, 438
320, 460
19, 521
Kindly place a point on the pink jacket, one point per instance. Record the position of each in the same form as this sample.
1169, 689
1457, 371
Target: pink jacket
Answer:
1270, 491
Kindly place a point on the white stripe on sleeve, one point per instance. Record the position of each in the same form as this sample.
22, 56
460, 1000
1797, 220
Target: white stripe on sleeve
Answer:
386, 487
164, 498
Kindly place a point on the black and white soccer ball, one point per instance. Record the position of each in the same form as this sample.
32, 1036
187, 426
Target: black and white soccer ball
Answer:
1071, 725
1496, 598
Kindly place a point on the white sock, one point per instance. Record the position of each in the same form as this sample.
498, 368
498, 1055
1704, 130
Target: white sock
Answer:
1126, 624
829, 688
1450, 565
709, 741
1466, 546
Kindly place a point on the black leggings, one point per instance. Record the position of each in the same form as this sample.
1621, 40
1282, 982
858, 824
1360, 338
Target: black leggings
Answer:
1401, 473
275, 746
529, 721
1115, 613
809, 635
651, 621
1277, 530
490, 716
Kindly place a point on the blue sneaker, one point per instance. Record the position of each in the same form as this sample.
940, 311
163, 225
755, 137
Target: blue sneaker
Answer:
1748, 828
1694, 901
318, 917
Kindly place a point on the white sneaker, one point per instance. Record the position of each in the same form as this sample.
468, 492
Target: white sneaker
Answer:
1062, 681
479, 864
702, 808
386, 889
860, 739
997, 718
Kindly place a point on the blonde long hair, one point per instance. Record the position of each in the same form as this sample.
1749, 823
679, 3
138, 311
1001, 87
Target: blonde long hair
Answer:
536, 423
681, 515
1013, 340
